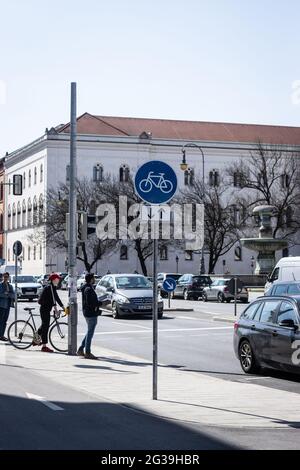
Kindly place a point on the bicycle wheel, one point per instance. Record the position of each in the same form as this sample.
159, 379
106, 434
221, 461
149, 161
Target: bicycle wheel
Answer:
58, 336
145, 186
20, 334
166, 187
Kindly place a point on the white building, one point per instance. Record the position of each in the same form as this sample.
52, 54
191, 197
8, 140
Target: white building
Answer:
112, 145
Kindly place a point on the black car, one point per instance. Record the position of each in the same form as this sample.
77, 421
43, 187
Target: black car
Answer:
190, 286
283, 288
267, 334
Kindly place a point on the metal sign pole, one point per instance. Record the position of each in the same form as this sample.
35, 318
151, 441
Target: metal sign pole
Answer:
169, 299
73, 317
235, 294
155, 320
16, 292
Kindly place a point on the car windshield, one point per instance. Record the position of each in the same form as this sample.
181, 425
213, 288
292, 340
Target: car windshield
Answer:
24, 279
201, 280
173, 276
133, 282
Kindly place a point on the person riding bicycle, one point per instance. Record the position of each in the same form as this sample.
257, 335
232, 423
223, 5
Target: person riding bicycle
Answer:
47, 301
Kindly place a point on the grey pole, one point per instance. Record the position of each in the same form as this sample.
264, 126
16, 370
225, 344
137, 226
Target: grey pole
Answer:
73, 317
235, 294
16, 292
155, 320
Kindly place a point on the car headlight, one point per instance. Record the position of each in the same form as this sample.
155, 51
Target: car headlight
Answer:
122, 300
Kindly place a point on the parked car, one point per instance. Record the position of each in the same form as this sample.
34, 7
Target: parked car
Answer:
43, 279
219, 291
283, 288
265, 333
161, 277
27, 287
62, 277
129, 294
287, 269
190, 286
64, 283
80, 282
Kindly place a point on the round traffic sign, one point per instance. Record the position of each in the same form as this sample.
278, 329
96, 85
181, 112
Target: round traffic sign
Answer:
155, 182
169, 284
17, 248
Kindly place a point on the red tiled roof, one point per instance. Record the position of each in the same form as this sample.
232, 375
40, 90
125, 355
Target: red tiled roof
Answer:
185, 130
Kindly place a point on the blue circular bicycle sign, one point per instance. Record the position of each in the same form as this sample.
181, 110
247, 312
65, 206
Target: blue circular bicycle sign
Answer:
155, 182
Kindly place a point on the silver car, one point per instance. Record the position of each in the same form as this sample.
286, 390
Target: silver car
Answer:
129, 294
219, 291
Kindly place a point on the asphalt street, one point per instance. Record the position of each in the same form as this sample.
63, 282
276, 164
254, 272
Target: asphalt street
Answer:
191, 341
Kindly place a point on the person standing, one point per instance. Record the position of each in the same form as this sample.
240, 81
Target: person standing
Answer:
91, 311
7, 296
48, 299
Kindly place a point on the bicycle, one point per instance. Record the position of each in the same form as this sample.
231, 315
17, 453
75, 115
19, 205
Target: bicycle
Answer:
22, 333
158, 181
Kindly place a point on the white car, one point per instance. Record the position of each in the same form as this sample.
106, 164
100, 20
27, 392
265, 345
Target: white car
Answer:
27, 287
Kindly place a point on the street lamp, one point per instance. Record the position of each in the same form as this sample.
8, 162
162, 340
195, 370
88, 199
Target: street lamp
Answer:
184, 167
177, 259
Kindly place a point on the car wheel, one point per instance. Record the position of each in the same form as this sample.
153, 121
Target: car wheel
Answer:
173, 295
247, 358
204, 297
186, 295
244, 301
221, 297
115, 311
228, 301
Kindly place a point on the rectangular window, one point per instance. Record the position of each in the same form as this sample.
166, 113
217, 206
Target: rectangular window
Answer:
214, 179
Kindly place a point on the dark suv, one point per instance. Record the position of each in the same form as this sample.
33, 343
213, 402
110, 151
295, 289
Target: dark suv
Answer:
267, 334
190, 286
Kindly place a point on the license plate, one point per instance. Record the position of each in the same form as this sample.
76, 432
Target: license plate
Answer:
144, 307
29, 292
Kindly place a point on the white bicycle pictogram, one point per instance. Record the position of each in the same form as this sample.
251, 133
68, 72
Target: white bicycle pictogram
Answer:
158, 181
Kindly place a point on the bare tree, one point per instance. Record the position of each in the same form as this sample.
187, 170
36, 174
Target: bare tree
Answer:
223, 217
270, 176
52, 231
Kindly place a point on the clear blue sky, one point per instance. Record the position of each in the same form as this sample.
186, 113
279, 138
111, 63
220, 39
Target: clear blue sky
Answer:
211, 60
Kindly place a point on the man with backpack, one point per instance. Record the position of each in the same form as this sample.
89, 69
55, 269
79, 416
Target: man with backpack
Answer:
91, 311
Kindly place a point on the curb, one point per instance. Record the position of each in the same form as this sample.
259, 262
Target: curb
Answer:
179, 310
226, 320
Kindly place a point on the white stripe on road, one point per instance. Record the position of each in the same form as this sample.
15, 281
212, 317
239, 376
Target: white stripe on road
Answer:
161, 330
134, 324
45, 402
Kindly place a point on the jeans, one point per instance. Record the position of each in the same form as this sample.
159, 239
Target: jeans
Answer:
43, 330
4, 314
87, 340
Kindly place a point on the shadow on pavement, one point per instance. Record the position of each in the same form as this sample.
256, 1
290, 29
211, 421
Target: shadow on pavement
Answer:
30, 425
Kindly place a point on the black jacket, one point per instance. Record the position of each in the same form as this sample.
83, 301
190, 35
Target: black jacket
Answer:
90, 302
46, 298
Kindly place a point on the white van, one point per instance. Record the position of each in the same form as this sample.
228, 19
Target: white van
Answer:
287, 269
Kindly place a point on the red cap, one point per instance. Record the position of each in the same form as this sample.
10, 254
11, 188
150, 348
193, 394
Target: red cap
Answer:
54, 276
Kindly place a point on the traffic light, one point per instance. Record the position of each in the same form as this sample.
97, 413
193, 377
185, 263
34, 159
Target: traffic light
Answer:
91, 224
17, 185
82, 227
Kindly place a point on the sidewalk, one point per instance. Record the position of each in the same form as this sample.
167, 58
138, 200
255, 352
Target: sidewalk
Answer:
186, 396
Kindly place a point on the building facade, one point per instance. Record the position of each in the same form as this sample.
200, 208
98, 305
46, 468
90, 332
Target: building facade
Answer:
118, 146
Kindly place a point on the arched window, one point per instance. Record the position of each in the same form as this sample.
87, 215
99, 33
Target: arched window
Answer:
23, 213
92, 207
9, 218
14, 216
29, 179
67, 173
24, 180
164, 253
29, 213
41, 252
214, 178
35, 211
35, 175
9, 186
28, 253
19, 215
189, 177
124, 252
98, 173
34, 252
41, 173
124, 174
8, 254
41, 209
